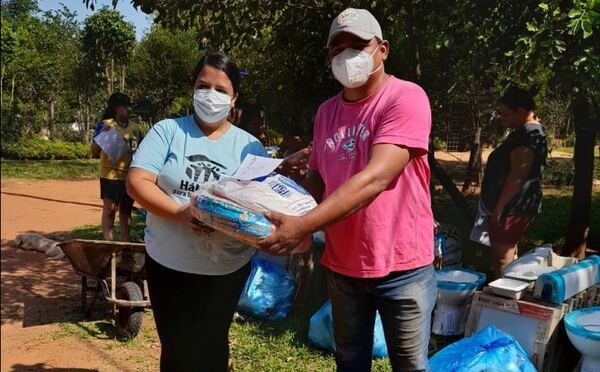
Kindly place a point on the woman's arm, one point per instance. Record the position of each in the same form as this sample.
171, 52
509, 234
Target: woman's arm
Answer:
142, 187
95, 150
521, 161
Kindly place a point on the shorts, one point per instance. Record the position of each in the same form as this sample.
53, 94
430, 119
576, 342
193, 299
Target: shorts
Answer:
510, 230
114, 190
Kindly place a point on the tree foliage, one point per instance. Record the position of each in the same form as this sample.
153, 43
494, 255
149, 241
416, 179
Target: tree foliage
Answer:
107, 42
160, 72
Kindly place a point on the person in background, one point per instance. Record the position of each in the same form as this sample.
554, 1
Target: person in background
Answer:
113, 174
293, 143
254, 122
195, 275
369, 171
235, 116
511, 190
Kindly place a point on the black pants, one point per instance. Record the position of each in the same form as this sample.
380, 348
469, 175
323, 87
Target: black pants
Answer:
193, 314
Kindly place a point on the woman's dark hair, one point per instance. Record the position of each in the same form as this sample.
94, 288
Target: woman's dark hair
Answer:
222, 62
515, 98
250, 113
115, 100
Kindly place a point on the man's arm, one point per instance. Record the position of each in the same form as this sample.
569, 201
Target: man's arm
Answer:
385, 164
521, 161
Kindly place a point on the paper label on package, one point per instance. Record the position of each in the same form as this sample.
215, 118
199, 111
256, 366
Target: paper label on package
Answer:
255, 167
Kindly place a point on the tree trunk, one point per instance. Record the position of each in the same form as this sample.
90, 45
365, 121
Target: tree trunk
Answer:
12, 95
51, 123
87, 123
112, 74
459, 200
122, 78
586, 128
311, 279
2, 85
108, 82
411, 26
473, 176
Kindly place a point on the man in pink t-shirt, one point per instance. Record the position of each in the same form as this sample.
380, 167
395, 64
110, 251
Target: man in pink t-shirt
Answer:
369, 170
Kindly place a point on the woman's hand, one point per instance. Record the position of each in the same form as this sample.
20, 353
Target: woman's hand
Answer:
185, 215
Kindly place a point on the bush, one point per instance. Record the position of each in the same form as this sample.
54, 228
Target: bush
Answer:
570, 140
438, 144
37, 148
559, 173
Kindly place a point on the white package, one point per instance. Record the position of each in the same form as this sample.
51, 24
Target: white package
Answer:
273, 193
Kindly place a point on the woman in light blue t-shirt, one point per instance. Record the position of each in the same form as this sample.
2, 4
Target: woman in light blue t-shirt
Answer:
195, 275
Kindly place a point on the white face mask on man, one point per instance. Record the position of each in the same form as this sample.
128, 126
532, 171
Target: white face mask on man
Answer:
352, 67
211, 106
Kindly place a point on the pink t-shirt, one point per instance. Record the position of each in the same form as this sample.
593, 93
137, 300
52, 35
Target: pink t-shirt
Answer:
395, 231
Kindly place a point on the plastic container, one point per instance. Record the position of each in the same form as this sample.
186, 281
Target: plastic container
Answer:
455, 291
509, 288
560, 285
530, 275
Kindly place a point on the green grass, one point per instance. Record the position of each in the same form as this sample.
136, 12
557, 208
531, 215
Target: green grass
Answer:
49, 169
256, 345
570, 150
94, 232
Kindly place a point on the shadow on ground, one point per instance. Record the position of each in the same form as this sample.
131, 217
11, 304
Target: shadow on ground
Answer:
41, 367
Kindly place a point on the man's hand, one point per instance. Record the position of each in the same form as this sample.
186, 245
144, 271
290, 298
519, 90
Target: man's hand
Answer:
290, 232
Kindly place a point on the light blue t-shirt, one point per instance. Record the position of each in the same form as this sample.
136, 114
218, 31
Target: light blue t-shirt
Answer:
183, 158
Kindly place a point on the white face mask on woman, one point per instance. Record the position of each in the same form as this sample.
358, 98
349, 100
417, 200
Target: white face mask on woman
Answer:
352, 67
211, 106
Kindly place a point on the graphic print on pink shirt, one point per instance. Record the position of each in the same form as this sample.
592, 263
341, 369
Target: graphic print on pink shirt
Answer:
394, 232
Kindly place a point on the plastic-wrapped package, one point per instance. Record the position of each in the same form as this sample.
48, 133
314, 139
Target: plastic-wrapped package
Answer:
268, 292
236, 208
488, 350
320, 332
272, 193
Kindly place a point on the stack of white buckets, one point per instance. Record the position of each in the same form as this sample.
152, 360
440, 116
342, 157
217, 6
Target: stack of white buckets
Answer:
455, 291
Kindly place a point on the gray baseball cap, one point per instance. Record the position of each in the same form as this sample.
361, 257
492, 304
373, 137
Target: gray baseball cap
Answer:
359, 22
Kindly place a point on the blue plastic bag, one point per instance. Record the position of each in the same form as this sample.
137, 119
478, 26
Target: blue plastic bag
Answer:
268, 292
488, 350
320, 332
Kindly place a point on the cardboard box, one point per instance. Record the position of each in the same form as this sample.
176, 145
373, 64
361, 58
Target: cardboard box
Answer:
534, 324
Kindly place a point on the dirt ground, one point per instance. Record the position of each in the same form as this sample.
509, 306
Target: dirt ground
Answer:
38, 295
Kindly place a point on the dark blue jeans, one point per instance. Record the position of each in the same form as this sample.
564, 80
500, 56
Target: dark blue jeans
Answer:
404, 300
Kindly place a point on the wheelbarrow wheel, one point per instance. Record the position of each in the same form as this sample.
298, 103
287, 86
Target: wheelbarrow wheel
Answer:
129, 319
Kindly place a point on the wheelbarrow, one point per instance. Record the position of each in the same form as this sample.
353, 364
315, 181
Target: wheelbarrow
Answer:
122, 264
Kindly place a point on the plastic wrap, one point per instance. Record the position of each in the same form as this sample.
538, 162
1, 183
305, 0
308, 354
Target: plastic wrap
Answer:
236, 208
320, 332
488, 350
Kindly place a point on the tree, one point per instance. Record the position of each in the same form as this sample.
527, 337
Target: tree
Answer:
39, 67
566, 38
160, 71
107, 43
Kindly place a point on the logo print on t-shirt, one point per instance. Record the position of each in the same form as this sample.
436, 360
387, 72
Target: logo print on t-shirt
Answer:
202, 165
345, 140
